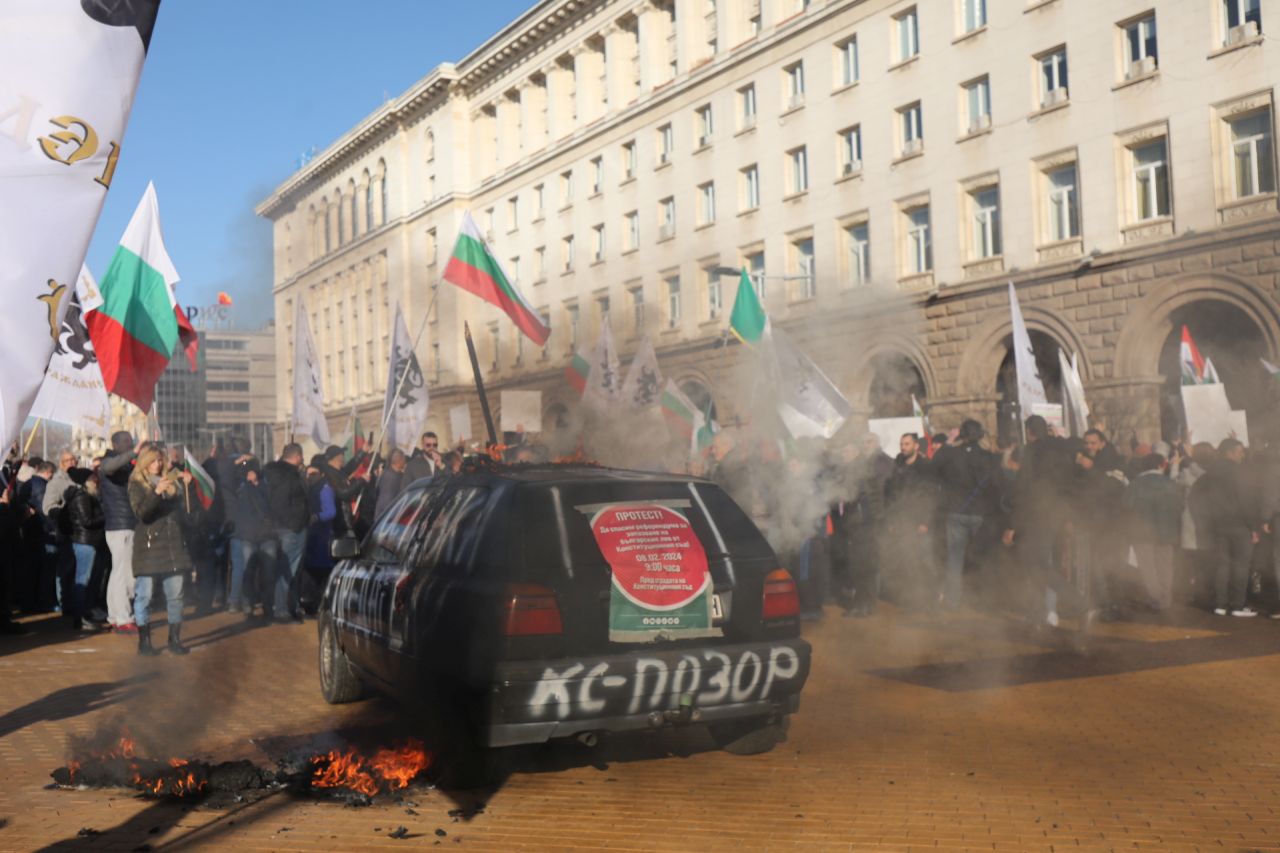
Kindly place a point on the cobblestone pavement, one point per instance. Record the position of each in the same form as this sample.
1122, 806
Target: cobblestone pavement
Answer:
917, 732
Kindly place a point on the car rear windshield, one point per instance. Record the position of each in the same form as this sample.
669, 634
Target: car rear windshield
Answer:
556, 539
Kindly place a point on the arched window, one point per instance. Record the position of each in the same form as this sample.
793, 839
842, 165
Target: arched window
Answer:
368, 201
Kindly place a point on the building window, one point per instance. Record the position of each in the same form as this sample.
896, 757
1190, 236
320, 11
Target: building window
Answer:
602, 309
984, 206
432, 247
751, 187
513, 213
540, 263
795, 84
973, 14
628, 160
672, 284
755, 20
754, 263
706, 203
851, 150
1063, 217
1252, 161
633, 231
1053, 77
977, 94
573, 315
1140, 47
597, 175
747, 107
667, 218
907, 29
489, 220
368, 205
802, 268
847, 51
566, 188
1241, 20
706, 126
715, 297
1150, 165
858, 247
666, 144
919, 246
495, 343
597, 243
798, 170
911, 125
566, 254
539, 201
513, 268
637, 309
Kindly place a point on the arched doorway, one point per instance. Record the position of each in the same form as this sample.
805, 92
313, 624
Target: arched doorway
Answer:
1008, 417
1235, 344
700, 395
895, 379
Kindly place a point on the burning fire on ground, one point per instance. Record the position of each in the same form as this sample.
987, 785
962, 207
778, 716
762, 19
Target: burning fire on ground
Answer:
116, 763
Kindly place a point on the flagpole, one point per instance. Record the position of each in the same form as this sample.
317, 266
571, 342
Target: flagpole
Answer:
475, 370
422, 327
31, 437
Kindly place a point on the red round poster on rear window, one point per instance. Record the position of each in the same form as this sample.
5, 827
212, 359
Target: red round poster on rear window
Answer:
661, 584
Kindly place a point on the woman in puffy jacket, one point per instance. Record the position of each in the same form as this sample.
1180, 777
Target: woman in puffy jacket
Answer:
159, 552
86, 525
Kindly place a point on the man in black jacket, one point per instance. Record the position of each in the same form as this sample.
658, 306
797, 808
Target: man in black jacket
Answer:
287, 497
911, 499
1234, 524
113, 481
966, 471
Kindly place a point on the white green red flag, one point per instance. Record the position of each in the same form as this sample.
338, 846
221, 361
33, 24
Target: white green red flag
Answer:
748, 322
200, 479
474, 267
68, 73
139, 324
683, 417
1195, 369
577, 371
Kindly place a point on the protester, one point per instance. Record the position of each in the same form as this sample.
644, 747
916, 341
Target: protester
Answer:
159, 554
426, 460
113, 480
864, 518
290, 512
324, 516
911, 500
253, 536
85, 524
345, 490
1197, 561
1155, 502
1097, 497
1233, 525
965, 471
42, 531
198, 527
392, 481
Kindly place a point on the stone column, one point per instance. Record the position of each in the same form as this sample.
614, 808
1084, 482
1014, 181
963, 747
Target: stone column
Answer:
560, 103
619, 48
508, 130
652, 47
588, 64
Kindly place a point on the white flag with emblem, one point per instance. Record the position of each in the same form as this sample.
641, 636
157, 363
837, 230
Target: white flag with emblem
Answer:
809, 404
308, 393
1030, 389
643, 386
604, 382
68, 73
404, 411
73, 392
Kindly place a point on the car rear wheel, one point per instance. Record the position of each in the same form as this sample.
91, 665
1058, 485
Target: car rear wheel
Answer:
338, 682
750, 737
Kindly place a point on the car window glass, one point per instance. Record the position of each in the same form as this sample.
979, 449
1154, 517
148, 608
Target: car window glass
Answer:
453, 533
399, 525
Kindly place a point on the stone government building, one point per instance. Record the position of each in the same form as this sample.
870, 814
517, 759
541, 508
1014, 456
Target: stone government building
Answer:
883, 169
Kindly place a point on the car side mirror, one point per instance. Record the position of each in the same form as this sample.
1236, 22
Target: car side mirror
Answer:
344, 548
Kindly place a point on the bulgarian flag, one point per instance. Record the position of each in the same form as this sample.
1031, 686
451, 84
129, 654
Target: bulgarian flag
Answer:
139, 323
683, 417
577, 372
201, 480
1193, 372
474, 268
748, 321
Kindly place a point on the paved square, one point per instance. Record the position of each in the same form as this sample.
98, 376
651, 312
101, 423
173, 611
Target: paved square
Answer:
958, 732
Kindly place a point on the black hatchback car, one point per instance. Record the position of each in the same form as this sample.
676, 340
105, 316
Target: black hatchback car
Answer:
561, 601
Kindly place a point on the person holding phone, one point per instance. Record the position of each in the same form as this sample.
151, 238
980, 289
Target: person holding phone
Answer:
159, 552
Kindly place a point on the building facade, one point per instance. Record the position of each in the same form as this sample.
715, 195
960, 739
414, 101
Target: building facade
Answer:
882, 169
240, 383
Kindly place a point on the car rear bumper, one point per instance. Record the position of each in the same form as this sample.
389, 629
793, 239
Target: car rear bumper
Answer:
531, 702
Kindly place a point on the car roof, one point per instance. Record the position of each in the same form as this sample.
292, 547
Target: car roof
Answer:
572, 473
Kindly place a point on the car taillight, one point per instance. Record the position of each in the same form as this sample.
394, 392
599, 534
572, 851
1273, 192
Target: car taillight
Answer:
781, 600
531, 609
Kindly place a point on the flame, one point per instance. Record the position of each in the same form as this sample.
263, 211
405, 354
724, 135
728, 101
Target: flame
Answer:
180, 780
390, 769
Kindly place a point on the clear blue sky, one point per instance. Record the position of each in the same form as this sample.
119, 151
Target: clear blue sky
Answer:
234, 91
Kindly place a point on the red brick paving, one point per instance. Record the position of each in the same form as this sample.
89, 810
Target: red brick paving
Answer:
937, 733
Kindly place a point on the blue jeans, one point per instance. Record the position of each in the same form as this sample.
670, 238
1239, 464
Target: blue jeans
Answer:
84, 556
142, 588
292, 545
961, 529
242, 552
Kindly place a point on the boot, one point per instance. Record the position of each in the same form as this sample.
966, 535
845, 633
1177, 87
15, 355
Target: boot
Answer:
144, 642
175, 640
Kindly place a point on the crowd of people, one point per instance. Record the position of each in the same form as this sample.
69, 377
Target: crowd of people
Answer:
100, 542
1049, 526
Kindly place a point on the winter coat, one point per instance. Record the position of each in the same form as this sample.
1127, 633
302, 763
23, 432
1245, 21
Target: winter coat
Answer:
252, 517
1038, 500
286, 495
967, 474
84, 522
390, 485
1155, 504
1225, 499
345, 490
158, 547
911, 493
324, 511
34, 498
1195, 531
113, 485
420, 466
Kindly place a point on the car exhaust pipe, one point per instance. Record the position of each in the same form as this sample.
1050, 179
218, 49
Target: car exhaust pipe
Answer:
588, 739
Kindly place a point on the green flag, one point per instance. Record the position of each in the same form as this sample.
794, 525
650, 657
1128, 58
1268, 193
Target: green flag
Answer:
748, 321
